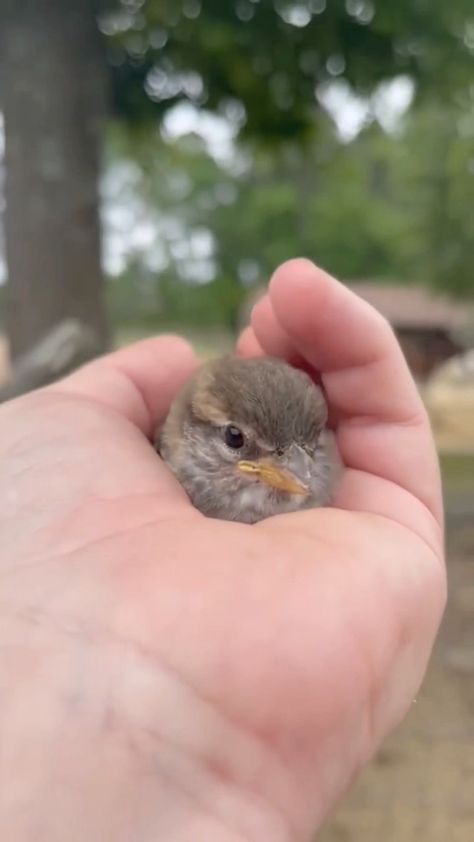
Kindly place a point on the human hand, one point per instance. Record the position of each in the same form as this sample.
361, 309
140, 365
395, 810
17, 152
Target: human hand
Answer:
166, 676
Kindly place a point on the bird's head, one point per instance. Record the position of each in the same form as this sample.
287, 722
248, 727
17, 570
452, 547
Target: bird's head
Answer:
246, 438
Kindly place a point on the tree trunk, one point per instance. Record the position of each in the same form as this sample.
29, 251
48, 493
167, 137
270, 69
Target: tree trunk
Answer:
53, 98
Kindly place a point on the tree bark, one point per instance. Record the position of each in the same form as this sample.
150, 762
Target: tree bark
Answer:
53, 98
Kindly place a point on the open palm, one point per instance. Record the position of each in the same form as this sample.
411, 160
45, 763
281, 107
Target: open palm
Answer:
173, 677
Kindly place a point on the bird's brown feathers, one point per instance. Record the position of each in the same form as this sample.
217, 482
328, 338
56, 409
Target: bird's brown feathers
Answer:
281, 415
262, 394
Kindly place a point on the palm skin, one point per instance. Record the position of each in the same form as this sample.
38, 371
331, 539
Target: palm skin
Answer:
174, 677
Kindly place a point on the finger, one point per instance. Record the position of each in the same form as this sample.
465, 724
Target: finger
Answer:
139, 381
362, 492
349, 340
247, 344
383, 427
269, 332
274, 340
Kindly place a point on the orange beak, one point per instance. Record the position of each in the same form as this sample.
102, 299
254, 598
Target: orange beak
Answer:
274, 476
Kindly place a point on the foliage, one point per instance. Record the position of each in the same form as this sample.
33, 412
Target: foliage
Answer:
386, 206
263, 61
379, 206
438, 173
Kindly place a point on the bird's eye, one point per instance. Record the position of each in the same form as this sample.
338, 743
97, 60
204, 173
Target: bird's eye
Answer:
233, 437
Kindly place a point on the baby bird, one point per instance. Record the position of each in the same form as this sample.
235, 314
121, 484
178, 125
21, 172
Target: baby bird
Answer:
247, 439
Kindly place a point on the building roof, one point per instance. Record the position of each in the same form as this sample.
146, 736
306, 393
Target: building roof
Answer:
413, 306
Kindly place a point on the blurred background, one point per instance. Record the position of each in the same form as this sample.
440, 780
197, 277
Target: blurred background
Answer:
159, 158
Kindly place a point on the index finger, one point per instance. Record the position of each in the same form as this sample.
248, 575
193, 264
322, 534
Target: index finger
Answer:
383, 427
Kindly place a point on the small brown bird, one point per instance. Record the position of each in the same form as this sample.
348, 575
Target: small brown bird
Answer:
247, 440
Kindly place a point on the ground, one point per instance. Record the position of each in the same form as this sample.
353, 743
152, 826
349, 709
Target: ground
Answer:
420, 787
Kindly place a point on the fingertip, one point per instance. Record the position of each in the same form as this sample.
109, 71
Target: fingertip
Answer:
315, 310
261, 312
294, 281
268, 331
294, 271
248, 345
292, 266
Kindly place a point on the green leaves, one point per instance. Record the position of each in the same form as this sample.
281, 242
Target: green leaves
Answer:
395, 206
271, 55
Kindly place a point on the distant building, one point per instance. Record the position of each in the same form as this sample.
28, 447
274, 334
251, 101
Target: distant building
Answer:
428, 326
